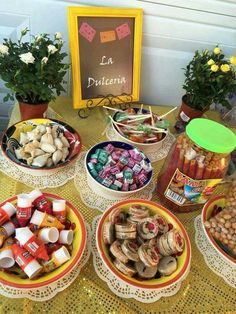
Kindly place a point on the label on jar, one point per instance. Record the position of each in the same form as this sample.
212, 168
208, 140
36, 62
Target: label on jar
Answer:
185, 191
184, 117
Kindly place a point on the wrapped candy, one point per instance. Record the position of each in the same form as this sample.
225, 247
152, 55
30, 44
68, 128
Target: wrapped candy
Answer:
31, 243
26, 261
6, 211
23, 209
44, 220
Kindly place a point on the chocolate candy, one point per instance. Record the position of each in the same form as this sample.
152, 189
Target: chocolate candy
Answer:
119, 169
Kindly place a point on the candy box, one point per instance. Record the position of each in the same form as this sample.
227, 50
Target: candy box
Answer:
11, 278
111, 214
117, 181
28, 145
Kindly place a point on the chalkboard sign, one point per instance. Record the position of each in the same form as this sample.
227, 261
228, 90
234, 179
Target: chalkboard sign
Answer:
105, 53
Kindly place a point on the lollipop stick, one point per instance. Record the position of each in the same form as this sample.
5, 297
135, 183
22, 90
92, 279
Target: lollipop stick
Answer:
150, 110
165, 114
138, 132
150, 139
121, 124
114, 109
139, 118
140, 109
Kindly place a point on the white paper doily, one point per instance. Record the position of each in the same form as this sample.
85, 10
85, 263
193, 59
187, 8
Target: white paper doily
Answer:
120, 288
212, 258
55, 179
93, 200
153, 156
48, 292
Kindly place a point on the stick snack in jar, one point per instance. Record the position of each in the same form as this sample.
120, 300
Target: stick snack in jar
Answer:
139, 238
195, 165
43, 243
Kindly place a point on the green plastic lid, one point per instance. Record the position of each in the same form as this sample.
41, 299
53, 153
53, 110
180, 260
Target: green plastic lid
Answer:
211, 135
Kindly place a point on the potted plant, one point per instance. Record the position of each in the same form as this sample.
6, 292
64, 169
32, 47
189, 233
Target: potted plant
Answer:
33, 71
210, 77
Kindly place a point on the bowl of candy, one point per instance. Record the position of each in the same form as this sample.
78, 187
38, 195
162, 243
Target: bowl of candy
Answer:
143, 244
116, 170
41, 146
141, 128
43, 238
219, 224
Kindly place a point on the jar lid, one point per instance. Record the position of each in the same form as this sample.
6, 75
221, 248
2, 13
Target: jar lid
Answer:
211, 135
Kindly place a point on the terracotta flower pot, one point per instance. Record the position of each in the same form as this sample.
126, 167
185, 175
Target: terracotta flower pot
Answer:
187, 113
31, 111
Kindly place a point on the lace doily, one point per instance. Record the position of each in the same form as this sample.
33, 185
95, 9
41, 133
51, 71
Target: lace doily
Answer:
153, 156
48, 292
213, 259
55, 179
120, 288
93, 200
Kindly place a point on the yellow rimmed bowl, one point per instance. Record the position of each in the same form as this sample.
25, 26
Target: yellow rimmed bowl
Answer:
183, 260
210, 210
10, 142
79, 243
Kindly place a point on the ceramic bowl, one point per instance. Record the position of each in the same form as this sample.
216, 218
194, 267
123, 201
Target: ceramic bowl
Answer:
79, 243
10, 141
183, 260
102, 190
207, 213
145, 147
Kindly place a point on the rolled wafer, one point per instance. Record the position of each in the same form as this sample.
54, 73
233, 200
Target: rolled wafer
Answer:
108, 232
144, 271
148, 255
167, 265
126, 227
130, 249
125, 269
147, 228
116, 250
126, 235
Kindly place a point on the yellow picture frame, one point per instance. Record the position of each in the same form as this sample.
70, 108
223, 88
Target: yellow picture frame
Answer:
75, 16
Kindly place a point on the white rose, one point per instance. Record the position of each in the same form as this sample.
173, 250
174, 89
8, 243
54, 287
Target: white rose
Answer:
44, 60
38, 38
58, 35
27, 57
52, 49
4, 50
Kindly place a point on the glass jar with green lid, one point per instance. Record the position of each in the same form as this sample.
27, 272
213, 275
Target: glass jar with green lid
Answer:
195, 165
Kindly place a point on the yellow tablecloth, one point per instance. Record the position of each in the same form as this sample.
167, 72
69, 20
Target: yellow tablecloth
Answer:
201, 292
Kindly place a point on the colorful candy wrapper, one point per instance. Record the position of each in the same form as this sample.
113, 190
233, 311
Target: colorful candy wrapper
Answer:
40, 202
26, 261
6, 211
31, 243
52, 247
23, 209
59, 257
44, 220
59, 210
6, 231
6, 255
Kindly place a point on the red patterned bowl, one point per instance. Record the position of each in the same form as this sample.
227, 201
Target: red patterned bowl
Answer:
11, 137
